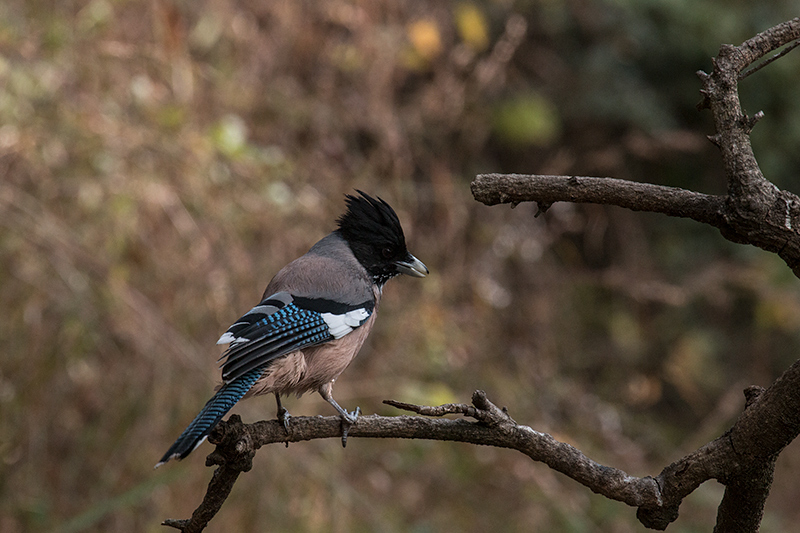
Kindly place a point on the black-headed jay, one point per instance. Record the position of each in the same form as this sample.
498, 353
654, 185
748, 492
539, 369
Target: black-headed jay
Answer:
312, 320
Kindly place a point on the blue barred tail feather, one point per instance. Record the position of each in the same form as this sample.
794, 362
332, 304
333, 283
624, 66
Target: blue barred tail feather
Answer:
217, 407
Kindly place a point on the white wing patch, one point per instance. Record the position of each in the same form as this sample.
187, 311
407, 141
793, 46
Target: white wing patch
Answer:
228, 338
341, 325
266, 308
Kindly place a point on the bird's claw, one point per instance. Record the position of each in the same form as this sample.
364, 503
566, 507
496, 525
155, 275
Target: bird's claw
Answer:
283, 418
348, 419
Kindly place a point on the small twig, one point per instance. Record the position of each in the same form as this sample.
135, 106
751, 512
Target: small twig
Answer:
482, 409
541, 208
177, 524
789, 48
439, 410
748, 123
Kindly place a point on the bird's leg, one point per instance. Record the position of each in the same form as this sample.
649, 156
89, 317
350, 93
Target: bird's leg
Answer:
283, 414
348, 418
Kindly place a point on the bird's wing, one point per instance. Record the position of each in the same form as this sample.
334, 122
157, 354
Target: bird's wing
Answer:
283, 323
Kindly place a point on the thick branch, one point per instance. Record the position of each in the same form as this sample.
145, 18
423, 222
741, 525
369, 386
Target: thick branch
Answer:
742, 508
754, 212
770, 221
218, 490
492, 189
237, 444
759, 212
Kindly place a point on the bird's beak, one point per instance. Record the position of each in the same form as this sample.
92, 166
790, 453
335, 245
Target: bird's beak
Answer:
413, 267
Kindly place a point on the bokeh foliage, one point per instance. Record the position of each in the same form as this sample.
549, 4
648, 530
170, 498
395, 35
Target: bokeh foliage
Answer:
160, 160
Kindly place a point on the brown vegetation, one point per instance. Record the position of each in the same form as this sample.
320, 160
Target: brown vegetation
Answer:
159, 162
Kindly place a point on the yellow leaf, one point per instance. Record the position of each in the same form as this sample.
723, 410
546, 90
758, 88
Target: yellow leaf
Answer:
425, 38
472, 26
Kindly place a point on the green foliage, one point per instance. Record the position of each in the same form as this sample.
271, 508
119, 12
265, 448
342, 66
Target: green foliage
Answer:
528, 120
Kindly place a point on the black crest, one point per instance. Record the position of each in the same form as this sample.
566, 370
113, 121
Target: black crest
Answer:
374, 233
367, 216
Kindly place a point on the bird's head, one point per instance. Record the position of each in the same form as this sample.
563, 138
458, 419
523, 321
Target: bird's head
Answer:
372, 230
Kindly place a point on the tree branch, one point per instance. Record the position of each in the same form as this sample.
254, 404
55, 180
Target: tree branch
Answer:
754, 212
493, 189
745, 452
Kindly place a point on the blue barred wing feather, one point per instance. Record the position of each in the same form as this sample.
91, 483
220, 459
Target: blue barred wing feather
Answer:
281, 324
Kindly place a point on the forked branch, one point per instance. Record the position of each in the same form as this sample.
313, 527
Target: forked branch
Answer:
748, 448
753, 212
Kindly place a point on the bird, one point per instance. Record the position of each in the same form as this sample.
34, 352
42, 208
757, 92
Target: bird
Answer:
312, 320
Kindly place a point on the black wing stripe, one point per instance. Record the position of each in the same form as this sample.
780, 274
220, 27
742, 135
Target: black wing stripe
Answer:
266, 332
269, 347
310, 338
323, 305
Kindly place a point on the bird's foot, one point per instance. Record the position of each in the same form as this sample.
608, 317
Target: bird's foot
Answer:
283, 418
348, 419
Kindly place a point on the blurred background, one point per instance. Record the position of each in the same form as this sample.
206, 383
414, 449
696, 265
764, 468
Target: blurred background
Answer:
161, 160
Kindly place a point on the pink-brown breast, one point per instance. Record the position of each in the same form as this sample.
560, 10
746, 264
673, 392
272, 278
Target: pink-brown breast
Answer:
308, 369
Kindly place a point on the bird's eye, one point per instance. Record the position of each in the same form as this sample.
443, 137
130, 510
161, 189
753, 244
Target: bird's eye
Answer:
387, 252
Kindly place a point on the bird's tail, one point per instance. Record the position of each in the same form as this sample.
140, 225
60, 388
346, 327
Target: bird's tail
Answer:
210, 415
